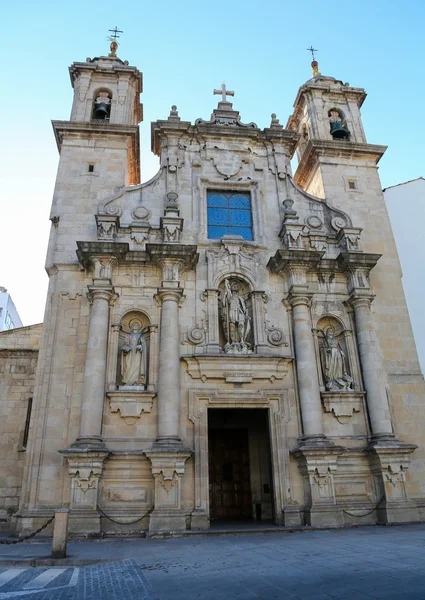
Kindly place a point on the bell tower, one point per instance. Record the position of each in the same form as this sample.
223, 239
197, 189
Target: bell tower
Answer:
98, 146
333, 154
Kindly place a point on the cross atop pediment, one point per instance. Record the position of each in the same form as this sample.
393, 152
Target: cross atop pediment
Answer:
224, 92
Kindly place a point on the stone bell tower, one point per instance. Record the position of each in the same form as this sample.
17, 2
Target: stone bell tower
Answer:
99, 145
336, 163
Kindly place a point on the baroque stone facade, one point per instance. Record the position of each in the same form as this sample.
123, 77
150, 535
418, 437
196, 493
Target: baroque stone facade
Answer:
200, 363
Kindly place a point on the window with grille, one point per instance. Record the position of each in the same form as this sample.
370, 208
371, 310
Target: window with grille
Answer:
229, 213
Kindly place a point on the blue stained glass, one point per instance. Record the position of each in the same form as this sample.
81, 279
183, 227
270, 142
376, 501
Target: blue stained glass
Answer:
217, 200
229, 213
239, 201
245, 232
218, 216
240, 217
215, 231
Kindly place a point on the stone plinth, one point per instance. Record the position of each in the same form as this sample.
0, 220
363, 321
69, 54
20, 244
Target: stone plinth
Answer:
168, 468
318, 465
389, 464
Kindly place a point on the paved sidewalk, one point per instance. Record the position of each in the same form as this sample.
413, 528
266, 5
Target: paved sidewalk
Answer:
349, 564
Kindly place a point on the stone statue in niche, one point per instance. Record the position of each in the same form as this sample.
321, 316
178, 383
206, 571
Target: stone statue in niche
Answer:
133, 356
334, 363
339, 129
235, 318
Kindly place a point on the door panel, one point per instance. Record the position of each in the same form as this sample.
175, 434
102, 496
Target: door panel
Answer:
230, 486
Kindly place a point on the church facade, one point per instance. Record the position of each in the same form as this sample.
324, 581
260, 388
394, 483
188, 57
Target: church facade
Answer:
226, 341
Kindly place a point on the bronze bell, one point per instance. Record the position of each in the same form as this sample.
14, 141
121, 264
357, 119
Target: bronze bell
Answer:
338, 132
101, 111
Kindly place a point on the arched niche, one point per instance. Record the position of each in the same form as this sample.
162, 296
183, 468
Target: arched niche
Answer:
338, 124
102, 104
335, 354
134, 348
235, 315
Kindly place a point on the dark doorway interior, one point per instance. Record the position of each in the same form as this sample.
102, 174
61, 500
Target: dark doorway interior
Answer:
239, 464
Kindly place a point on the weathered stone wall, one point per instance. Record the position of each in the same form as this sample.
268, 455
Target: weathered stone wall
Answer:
145, 250
18, 361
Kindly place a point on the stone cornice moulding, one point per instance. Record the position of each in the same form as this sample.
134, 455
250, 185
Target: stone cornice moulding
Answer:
106, 64
349, 150
186, 254
308, 259
87, 250
77, 127
163, 128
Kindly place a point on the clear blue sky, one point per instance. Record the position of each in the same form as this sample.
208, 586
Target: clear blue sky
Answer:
184, 50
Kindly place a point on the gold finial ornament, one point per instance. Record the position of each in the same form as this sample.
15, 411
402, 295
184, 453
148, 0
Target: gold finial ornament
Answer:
314, 64
113, 39
315, 68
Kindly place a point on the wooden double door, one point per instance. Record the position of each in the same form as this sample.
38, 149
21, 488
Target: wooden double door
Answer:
229, 474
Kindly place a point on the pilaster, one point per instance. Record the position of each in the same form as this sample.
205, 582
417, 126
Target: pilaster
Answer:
389, 463
85, 468
318, 465
168, 468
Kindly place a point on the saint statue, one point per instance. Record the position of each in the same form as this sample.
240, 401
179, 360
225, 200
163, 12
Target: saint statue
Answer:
334, 363
235, 317
133, 357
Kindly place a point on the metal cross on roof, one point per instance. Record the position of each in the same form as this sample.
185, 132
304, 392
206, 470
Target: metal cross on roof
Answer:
224, 92
312, 50
115, 32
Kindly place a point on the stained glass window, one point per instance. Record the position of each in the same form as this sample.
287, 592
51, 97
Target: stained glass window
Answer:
229, 213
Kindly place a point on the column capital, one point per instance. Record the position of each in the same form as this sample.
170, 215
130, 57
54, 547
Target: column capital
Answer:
299, 295
357, 300
164, 294
106, 293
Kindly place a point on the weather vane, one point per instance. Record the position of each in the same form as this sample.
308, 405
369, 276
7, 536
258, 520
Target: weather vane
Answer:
312, 50
113, 39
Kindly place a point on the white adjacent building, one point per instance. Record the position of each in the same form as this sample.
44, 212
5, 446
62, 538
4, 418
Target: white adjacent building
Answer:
9, 318
409, 235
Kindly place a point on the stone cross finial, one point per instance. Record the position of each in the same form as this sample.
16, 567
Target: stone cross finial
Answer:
224, 92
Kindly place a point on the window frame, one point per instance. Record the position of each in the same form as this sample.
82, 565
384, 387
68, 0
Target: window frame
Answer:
228, 193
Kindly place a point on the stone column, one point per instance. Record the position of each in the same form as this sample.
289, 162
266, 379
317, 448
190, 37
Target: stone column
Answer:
308, 383
372, 369
169, 369
95, 369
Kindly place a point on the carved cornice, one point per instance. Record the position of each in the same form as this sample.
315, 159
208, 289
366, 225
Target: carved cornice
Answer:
330, 148
356, 260
285, 258
61, 128
106, 65
163, 129
186, 254
87, 250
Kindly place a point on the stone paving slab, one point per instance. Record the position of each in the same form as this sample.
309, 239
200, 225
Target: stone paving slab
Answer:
109, 581
340, 564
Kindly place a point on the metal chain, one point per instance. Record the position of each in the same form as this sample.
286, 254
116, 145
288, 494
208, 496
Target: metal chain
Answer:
366, 514
125, 522
31, 535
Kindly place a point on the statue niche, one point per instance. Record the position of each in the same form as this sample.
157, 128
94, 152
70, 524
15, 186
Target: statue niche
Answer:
235, 311
333, 355
133, 352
